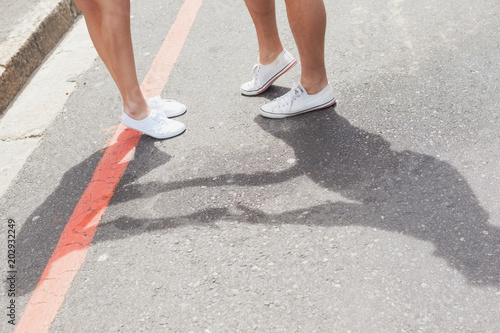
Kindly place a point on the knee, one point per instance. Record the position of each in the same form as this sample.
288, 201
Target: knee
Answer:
116, 7
93, 7
87, 7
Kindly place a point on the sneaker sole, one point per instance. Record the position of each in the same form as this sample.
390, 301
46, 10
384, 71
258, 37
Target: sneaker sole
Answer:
271, 81
173, 135
169, 137
285, 115
176, 115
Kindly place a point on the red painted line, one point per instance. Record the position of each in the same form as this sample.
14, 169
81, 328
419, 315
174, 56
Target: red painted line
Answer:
163, 64
72, 248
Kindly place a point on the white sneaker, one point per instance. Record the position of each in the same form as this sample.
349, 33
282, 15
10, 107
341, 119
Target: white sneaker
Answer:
298, 101
264, 75
169, 107
155, 125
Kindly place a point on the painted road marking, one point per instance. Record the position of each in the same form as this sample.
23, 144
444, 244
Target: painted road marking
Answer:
72, 248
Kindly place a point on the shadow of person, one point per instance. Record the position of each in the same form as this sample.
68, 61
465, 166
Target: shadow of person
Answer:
405, 192
40, 233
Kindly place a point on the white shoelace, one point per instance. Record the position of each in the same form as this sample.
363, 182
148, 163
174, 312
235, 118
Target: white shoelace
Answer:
156, 102
287, 99
255, 73
159, 119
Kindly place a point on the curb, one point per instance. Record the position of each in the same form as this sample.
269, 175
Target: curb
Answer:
21, 55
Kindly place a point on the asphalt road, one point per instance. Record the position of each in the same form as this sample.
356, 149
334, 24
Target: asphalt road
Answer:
378, 215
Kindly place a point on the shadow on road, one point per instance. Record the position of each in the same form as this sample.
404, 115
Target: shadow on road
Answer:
39, 235
404, 192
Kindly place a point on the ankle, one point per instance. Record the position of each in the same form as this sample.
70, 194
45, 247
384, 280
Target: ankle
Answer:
314, 86
267, 57
136, 110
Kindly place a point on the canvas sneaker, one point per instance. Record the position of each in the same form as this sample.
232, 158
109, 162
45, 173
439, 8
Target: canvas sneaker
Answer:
298, 101
168, 107
264, 75
156, 125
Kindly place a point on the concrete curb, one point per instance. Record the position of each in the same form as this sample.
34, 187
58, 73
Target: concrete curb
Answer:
26, 48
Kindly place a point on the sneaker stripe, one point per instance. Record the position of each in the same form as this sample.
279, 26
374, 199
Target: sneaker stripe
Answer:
314, 108
274, 78
319, 107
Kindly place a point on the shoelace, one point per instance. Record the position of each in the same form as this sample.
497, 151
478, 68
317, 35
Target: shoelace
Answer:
156, 101
159, 119
255, 72
288, 98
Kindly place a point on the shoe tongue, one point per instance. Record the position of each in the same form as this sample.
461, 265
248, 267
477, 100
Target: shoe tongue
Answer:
301, 89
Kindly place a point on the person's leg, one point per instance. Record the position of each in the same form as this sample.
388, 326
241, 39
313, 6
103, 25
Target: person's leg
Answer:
273, 60
307, 20
108, 23
263, 13
92, 13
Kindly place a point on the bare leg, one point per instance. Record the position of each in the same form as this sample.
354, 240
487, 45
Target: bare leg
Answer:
263, 13
92, 13
108, 22
307, 20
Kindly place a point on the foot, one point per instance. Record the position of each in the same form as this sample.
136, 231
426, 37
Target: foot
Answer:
298, 101
155, 125
168, 107
264, 75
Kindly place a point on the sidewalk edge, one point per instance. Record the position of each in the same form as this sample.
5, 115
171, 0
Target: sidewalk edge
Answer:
24, 61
